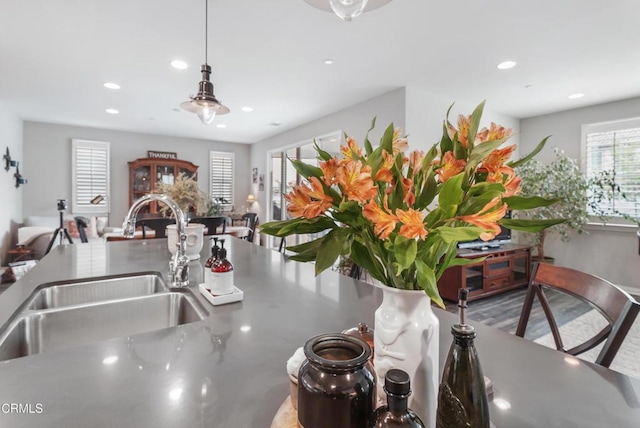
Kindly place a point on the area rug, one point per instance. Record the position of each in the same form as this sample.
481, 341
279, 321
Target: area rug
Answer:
626, 361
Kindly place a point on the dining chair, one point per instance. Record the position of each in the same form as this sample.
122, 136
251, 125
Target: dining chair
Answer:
158, 225
212, 224
617, 306
250, 221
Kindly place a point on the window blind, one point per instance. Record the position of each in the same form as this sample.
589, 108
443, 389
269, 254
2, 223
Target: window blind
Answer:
616, 151
221, 166
90, 161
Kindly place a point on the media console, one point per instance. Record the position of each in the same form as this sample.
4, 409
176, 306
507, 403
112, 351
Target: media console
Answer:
504, 268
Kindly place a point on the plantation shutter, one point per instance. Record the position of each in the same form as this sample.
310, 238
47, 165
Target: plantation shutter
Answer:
617, 151
90, 160
221, 177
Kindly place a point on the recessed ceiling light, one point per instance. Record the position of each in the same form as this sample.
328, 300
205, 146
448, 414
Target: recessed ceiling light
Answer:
575, 96
247, 109
221, 125
506, 65
177, 110
112, 111
275, 124
328, 61
178, 64
111, 85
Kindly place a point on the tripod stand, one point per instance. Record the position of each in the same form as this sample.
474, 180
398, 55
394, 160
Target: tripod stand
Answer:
63, 232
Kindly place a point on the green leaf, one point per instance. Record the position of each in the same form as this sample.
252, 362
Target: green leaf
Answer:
331, 247
482, 150
302, 257
367, 144
363, 257
528, 157
485, 186
474, 122
530, 225
460, 261
451, 193
306, 170
322, 155
306, 247
446, 145
427, 280
524, 203
428, 192
405, 251
387, 139
302, 225
457, 234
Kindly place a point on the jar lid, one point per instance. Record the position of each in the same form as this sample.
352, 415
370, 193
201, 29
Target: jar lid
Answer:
362, 331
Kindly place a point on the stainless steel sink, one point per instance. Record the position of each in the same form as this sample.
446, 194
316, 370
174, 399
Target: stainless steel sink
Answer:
36, 331
66, 293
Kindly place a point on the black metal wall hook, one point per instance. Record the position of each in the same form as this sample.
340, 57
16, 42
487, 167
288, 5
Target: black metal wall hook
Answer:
8, 162
19, 178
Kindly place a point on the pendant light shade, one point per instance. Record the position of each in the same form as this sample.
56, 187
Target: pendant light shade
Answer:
348, 9
204, 103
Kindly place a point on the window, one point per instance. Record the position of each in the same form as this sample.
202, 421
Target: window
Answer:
90, 180
615, 147
221, 178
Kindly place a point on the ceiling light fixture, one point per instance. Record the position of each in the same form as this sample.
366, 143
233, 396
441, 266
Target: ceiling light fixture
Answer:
575, 96
247, 109
328, 61
112, 111
507, 65
179, 65
205, 104
347, 9
111, 85
221, 125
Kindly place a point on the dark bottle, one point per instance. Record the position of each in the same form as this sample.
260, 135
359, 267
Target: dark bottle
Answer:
336, 383
222, 273
462, 396
209, 263
395, 413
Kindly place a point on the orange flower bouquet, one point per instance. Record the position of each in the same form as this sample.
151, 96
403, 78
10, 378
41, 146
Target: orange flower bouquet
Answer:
401, 216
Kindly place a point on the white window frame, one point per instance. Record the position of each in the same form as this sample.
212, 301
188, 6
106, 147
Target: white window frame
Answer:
609, 126
229, 155
80, 205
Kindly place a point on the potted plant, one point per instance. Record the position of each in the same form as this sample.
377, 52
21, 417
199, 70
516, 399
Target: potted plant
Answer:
560, 180
400, 217
186, 193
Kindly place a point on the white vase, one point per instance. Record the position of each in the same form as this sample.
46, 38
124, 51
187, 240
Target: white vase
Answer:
194, 242
406, 336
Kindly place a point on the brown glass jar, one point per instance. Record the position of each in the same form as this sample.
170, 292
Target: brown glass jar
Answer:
336, 384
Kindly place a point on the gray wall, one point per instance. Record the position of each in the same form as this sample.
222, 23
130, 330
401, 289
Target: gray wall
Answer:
10, 197
47, 151
355, 121
606, 251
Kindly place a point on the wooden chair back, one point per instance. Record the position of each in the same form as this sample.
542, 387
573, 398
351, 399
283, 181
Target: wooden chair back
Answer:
158, 225
212, 224
617, 306
250, 221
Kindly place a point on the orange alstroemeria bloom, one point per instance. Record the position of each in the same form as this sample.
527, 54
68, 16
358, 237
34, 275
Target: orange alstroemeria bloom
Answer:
463, 130
512, 184
487, 218
450, 167
329, 169
384, 223
320, 202
497, 132
351, 150
496, 159
384, 172
297, 200
399, 144
415, 160
355, 181
412, 225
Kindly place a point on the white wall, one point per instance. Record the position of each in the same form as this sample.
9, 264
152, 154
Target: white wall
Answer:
612, 254
355, 121
47, 151
10, 197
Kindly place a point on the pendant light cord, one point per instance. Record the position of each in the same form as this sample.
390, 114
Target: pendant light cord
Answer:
206, 29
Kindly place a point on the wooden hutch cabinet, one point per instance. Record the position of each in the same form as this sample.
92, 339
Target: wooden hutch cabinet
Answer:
504, 268
146, 173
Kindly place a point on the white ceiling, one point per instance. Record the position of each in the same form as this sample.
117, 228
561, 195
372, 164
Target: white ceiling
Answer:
56, 54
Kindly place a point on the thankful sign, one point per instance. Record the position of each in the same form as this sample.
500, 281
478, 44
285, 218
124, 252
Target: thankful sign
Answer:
162, 155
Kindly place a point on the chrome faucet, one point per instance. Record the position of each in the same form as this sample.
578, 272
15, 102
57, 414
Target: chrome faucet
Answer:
179, 264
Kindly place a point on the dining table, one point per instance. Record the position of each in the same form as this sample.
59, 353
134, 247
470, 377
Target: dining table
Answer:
228, 369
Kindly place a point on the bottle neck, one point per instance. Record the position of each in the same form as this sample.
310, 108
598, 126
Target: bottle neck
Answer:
397, 403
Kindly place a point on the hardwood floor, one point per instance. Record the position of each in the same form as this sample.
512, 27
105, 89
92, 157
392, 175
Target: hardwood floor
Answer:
503, 311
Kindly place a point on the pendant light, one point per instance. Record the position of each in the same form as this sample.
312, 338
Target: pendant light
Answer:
347, 9
204, 103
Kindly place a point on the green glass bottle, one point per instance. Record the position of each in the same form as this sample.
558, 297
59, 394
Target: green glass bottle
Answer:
462, 396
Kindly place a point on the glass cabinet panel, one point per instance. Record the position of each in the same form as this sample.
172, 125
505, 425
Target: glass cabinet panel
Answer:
165, 174
142, 179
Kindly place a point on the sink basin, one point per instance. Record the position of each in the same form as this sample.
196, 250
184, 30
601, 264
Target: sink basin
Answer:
60, 294
38, 331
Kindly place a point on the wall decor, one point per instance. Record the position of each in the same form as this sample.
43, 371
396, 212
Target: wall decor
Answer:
255, 175
161, 155
261, 184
